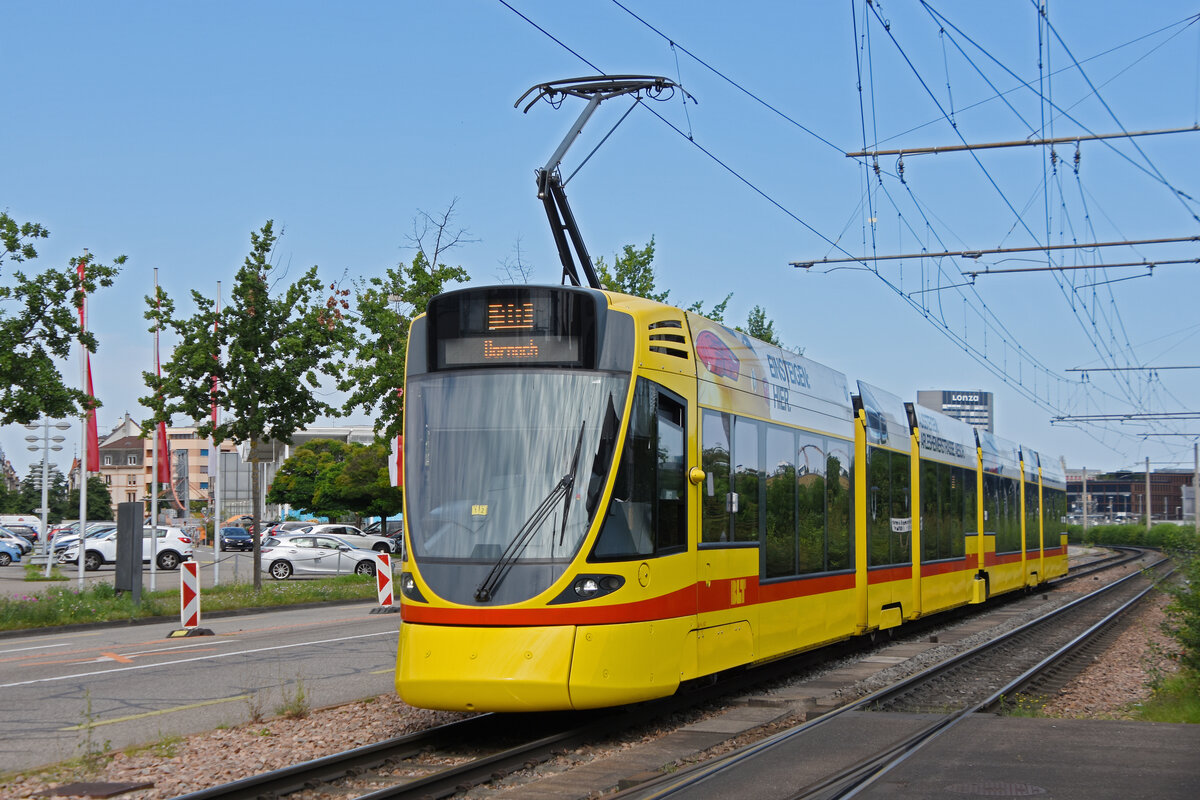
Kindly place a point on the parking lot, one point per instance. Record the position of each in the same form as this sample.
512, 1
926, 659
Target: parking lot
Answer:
235, 567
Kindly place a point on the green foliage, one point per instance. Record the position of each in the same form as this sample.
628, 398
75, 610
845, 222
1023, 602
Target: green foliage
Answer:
276, 344
1177, 699
332, 478
1183, 612
296, 704
632, 273
1164, 535
716, 313
385, 307
29, 496
43, 328
99, 500
298, 480
761, 328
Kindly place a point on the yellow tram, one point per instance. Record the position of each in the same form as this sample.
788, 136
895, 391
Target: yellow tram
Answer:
606, 497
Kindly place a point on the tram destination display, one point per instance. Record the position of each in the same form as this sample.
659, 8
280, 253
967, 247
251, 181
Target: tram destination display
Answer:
508, 327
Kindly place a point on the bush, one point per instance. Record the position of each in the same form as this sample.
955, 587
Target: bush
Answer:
1183, 612
1164, 536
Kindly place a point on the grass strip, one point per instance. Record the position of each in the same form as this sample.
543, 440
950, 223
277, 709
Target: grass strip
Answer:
58, 605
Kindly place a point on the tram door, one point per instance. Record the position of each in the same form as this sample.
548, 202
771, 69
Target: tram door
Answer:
728, 552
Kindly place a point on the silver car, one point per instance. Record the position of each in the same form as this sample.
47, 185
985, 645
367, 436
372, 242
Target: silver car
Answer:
314, 554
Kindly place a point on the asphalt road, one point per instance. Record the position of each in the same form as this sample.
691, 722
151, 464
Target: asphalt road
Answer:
133, 685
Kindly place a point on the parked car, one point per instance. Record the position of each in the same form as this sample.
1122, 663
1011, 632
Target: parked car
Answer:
19, 542
291, 526
9, 554
394, 525
352, 535
66, 541
314, 554
173, 547
24, 531
236, 539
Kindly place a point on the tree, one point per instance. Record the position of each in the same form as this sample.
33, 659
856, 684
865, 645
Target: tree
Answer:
361, 485
761, 328
99, 499
633, 273
332, 478
277, 344
29, 497
298, 479
43, 328
384, 309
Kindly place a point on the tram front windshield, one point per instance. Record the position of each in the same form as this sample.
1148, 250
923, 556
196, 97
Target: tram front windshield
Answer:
489, 454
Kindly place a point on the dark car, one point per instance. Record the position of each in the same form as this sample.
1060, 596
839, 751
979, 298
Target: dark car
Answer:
236, 539
23, 530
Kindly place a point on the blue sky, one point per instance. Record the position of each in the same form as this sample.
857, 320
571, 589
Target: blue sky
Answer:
167, 132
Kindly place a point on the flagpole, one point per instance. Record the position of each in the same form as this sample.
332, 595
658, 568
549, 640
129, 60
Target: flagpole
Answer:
215, 449
154, 463
83, 449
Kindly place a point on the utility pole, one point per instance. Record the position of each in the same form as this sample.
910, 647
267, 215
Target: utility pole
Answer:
1085, 503
1196, 487
1148, 512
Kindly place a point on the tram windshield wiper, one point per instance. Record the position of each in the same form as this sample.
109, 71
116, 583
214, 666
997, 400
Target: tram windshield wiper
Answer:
562, 490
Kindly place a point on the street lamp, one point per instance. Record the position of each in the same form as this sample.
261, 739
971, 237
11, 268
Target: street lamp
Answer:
46, 447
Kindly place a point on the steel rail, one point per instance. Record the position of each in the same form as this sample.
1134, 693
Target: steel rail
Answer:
685, 779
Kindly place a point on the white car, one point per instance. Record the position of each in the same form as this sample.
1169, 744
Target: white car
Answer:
312, 554
351, 535
173, 547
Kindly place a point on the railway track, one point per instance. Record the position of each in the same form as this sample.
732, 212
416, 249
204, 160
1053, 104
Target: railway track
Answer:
1088, 619
442, 761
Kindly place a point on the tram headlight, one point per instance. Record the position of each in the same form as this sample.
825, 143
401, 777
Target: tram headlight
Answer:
589, 587
408, 588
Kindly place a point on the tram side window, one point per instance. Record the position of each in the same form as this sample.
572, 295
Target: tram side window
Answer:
672, 485
837, 504
714, 457
780, 552
953, 480
890, 516
1032, 532
970, 496
812, 466
746, 479
1008, 518
647, 513
942, 511
932, 506
991, 490
1052, 514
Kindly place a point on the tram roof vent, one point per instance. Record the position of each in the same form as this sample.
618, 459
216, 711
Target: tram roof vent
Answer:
656, 335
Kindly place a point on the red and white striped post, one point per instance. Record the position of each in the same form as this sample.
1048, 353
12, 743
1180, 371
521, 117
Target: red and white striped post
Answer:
384, 584
189, 601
